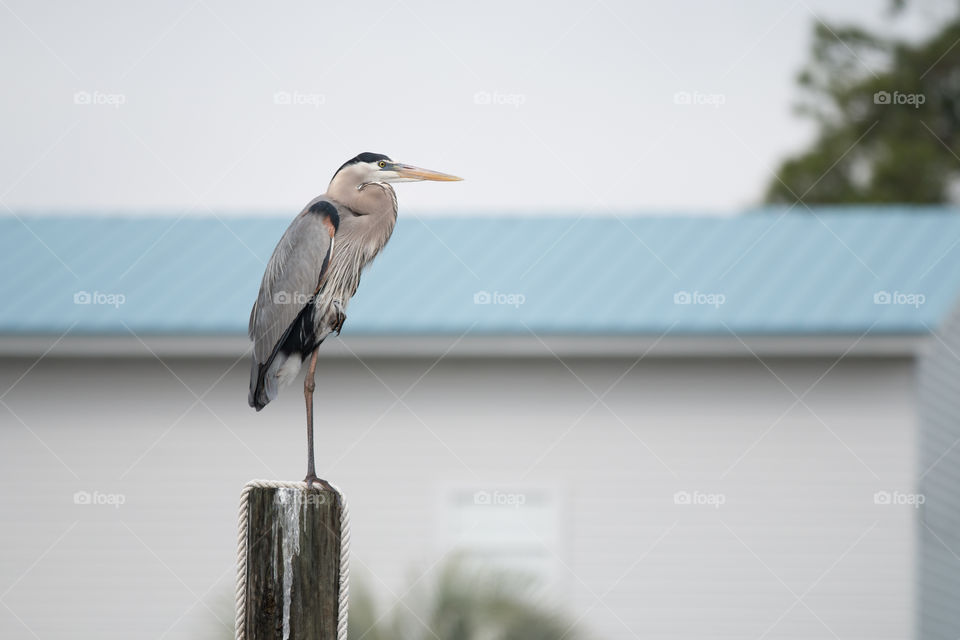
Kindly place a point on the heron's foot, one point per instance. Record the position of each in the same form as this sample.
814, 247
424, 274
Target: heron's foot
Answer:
312, 480
323, 485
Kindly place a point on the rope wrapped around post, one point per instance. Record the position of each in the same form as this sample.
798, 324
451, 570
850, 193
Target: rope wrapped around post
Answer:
298, 611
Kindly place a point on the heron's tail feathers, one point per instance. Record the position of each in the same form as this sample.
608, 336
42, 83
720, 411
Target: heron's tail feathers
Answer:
265, 379
289, 368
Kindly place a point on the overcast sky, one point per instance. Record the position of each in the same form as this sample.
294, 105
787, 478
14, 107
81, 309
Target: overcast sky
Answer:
542, 107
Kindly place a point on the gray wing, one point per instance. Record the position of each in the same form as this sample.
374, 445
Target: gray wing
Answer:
293, 275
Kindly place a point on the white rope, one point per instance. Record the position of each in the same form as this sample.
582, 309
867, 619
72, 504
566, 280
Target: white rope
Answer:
243, 521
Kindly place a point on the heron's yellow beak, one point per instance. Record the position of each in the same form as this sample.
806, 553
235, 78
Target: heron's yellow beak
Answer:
409, 172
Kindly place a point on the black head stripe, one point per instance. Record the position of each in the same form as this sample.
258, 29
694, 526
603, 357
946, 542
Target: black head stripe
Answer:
366, 156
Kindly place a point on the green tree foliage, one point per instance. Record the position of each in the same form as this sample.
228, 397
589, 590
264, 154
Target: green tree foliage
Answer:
887, 111
459, 602
463, 603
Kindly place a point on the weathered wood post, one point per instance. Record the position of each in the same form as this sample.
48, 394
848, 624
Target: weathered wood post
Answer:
290, 582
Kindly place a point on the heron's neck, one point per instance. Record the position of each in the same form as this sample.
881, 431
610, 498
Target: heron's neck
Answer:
370, 198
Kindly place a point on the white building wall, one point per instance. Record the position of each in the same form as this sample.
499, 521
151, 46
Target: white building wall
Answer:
799, 548
939, 531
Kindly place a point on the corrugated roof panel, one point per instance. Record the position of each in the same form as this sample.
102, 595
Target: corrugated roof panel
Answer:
792, 273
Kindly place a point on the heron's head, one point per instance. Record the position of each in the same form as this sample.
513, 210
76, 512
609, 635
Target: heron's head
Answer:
369, 168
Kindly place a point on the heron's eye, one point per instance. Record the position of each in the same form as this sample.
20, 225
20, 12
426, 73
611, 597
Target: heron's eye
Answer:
381, 164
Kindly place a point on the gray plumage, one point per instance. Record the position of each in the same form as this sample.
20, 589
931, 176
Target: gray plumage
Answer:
311, 267
316, 267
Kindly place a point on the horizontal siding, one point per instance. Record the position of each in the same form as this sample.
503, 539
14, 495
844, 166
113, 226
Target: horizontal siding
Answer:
939, 376
798, 518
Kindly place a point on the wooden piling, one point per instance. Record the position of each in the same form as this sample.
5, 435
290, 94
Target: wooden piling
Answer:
293, 564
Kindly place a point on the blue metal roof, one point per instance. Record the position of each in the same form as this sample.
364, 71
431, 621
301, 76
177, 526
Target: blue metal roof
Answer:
770, 272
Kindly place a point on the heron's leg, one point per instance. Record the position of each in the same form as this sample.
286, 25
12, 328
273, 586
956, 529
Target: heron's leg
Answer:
309, 383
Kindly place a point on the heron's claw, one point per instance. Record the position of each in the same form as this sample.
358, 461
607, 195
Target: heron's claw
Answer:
323, 485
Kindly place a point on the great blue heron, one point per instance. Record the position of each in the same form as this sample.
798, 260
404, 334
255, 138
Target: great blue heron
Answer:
315, 270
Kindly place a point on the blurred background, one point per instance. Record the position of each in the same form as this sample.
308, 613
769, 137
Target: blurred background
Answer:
680, 358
